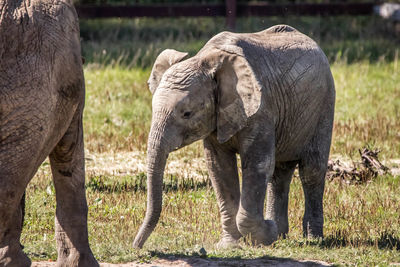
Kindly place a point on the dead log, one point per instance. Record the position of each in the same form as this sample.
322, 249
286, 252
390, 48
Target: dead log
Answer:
357, 172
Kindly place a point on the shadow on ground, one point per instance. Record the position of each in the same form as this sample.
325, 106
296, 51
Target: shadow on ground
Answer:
169, 260
181, 260
386, 240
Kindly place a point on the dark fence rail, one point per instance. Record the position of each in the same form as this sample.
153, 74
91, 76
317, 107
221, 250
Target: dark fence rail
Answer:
260, 9
94, 11
230, 9
305, 9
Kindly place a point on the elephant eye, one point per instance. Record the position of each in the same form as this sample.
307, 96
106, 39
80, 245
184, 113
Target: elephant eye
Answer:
187, 114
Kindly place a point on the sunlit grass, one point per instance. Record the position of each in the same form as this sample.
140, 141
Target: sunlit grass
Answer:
118, 109
362, 225
367, 108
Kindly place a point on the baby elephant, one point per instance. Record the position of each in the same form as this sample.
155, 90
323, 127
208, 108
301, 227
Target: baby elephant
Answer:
268, 96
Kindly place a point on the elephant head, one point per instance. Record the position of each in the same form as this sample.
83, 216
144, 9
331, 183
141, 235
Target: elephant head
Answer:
216, 90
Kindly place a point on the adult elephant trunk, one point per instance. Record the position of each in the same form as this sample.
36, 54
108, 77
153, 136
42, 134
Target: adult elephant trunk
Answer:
157, 154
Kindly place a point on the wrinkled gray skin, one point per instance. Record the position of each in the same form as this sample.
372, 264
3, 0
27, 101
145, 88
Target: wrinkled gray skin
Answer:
268, 96
41, 102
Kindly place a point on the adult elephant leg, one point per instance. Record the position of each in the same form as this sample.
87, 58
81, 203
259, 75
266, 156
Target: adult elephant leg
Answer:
68, 169
11, 222
258, 160
222, 167
278, 195
19, 160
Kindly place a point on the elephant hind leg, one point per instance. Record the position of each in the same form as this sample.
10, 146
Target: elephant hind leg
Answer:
278, 195
312, 170
67, 165
313, 181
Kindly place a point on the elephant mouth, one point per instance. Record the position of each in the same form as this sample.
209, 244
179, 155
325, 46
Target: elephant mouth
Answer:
180, 145
176, 148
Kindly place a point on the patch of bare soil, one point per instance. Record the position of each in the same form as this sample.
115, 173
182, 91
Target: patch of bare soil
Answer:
199, 262
132, 163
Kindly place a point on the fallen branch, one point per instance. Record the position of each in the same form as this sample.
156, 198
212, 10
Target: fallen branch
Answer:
359, 172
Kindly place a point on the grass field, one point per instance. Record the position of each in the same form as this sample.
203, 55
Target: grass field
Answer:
362, 222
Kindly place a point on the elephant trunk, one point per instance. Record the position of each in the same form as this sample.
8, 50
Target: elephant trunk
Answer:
157, 154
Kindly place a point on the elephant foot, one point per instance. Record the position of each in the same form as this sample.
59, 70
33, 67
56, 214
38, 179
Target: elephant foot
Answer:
311, 236
282, 235
13, 256
282, 228
282, 232
263, 233
313, 230
77, 259
227, 242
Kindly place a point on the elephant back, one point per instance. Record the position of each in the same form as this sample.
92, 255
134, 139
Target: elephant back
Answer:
294, 76
39, 42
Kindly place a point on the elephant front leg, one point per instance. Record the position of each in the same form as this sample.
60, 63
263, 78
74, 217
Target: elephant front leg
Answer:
67, 165
222, 166
257, 167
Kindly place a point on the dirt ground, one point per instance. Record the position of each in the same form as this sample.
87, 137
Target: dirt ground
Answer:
199, 262
130, 163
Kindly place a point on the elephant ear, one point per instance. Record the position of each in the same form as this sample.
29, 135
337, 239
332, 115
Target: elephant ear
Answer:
166, 59
239, 92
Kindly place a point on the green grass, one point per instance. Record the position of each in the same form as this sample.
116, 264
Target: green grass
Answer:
367, 108
118, 109
362, 225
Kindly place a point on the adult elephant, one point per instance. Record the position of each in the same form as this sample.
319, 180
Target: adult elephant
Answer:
42, 96
268, 96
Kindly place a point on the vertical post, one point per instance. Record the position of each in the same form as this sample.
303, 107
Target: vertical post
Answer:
230, 6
